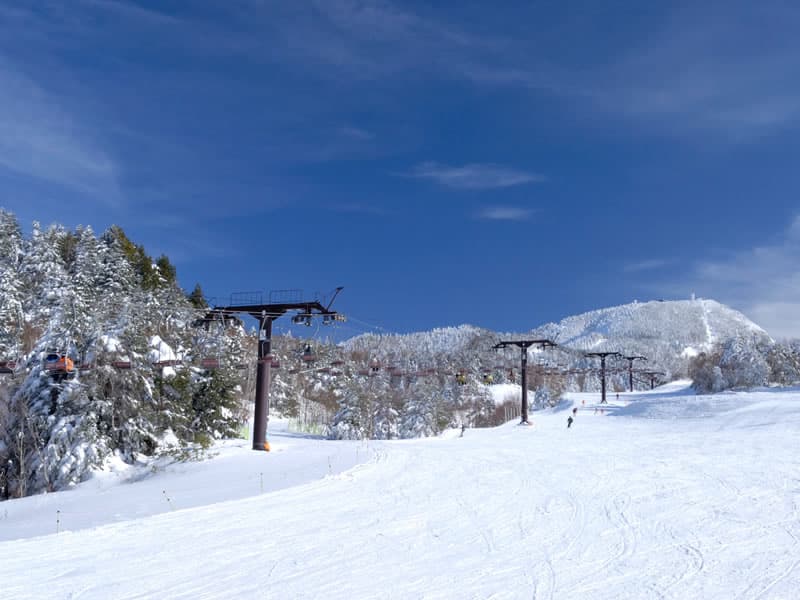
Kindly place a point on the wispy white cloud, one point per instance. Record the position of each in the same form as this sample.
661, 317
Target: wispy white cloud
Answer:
474, 176
357, 40
42, 140
763, 282
704, 73
505, 213
694, 73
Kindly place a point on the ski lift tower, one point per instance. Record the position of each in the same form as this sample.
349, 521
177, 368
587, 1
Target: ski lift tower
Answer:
523, 345
630, 360
602, 356
265, 314
653, 376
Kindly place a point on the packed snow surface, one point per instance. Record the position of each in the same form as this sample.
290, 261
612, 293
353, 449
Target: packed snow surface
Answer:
661, 495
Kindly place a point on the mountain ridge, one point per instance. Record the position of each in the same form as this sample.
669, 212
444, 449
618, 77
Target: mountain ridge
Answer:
667, 332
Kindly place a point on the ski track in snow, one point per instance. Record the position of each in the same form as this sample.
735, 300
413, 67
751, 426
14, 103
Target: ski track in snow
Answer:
710, 337
616, 507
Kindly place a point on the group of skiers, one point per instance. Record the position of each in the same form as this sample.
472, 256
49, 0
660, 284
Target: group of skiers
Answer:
571, 418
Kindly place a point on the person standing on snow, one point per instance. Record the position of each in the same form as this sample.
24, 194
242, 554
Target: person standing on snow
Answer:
569, 421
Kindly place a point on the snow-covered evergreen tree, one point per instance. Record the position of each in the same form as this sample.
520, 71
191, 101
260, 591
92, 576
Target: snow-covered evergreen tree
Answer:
739, 362
428, 408
743, 362
418, 419
784, 364
12, 318
352, 420
103, 303
384, 414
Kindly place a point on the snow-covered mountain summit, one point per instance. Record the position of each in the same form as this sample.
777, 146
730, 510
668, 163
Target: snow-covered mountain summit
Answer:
667, 332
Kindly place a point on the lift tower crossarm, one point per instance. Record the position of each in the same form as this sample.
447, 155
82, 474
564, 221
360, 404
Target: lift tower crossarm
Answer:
630, 360
523, 345
276, 310
602, 356
265, 314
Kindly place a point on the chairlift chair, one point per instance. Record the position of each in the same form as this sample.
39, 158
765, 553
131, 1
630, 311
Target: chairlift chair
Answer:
302, 318
7, 367
167, 363
308, 354
59, 363
209, 363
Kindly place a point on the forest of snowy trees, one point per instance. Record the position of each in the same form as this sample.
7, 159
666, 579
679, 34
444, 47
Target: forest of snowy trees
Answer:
745, 362
101, 301
153, 377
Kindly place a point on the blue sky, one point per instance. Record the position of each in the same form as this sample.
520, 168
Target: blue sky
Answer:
503, 166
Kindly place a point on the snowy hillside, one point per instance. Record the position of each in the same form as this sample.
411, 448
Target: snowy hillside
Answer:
668, 333
661, 495
426, 344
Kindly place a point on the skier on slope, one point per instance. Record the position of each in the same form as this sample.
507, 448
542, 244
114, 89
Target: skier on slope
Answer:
569, 421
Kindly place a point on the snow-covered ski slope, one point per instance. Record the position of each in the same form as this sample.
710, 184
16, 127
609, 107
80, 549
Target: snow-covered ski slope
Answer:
664, 495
